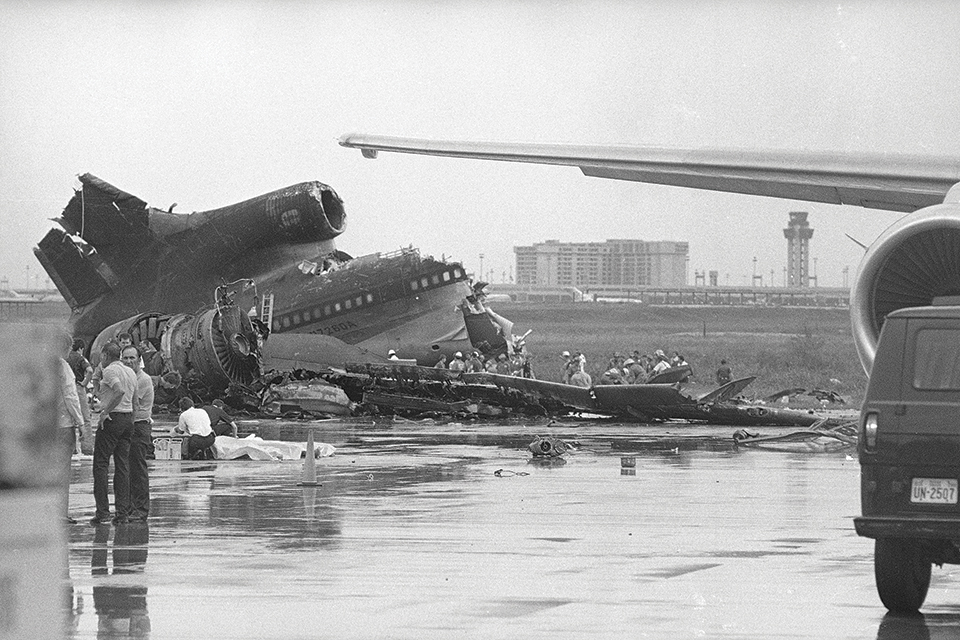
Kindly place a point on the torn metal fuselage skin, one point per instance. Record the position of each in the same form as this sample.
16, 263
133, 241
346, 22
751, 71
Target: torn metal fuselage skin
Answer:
393, 387
118, 261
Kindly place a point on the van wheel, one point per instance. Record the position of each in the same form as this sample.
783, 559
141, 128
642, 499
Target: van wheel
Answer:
902, 572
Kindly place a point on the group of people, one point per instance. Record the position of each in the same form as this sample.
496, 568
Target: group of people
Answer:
634, 369
517, 364
124, 429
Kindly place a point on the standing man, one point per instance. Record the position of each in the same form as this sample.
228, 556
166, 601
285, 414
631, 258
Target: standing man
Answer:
662, 363
474, 365
140, 440
581, 378
457, 364
83, 372
124, 339
71, 416
117, 390
566, 370
635, 372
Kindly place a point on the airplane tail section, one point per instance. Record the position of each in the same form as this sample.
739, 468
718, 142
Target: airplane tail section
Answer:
113, 221
105, 231
77, 271
110, 236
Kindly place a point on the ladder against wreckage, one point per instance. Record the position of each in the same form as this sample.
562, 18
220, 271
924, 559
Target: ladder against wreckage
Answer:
266, 309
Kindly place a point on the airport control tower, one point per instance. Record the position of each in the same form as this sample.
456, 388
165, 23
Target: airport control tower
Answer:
798, 234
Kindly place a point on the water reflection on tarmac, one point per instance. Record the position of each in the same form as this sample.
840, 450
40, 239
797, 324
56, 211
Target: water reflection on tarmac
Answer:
449, 530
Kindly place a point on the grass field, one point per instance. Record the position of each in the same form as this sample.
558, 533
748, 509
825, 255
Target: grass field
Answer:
784, 347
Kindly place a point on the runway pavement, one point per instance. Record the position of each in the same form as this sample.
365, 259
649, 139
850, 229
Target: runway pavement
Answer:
426, 530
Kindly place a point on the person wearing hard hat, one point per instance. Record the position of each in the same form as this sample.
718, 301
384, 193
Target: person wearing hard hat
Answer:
662, 363
474, 364
457, 364
634, 372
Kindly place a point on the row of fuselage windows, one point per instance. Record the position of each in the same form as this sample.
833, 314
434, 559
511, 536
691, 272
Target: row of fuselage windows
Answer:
428, 282
335, 308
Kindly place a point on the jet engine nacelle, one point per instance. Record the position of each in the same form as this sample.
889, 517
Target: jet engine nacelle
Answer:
305, 212
215, 348
914, 261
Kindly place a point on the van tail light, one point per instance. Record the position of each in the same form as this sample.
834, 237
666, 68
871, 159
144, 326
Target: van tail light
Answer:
870, 431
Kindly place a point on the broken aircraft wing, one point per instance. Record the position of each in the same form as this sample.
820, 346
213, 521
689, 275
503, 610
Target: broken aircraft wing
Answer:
896, 182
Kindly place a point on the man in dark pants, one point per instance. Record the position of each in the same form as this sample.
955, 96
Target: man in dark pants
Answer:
195, 422
220, 421
118, 387
141, 440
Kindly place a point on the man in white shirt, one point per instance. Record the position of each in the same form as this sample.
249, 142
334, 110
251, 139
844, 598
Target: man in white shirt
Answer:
141, 440
71, 416
457, 364
662, 363
196, 424
118, 388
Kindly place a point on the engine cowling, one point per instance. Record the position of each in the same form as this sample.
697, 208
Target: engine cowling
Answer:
914, 260
215, 348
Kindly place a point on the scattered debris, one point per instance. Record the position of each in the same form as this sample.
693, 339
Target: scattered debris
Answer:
824, 395
506, 473
314, 396
821, 437
548, 447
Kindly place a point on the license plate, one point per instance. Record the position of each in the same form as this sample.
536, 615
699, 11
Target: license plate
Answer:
934, 491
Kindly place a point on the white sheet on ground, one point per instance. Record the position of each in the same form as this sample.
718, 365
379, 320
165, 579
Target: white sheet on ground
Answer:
227, 448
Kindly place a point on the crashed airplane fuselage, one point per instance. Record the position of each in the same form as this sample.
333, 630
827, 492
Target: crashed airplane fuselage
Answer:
117, 259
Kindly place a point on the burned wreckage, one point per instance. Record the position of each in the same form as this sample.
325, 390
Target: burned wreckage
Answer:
224, 296
254, 302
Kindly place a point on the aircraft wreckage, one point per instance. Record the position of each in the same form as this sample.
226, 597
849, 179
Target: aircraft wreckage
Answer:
413, 390
253, 301
260, 283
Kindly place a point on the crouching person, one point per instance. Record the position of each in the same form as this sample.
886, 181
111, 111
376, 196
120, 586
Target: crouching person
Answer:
195, 423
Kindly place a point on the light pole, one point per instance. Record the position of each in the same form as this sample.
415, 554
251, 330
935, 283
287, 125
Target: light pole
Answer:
481, 266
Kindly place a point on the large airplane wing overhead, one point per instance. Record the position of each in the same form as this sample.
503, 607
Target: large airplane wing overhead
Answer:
896, 182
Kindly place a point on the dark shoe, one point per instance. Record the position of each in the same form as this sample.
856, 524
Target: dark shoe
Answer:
95, 521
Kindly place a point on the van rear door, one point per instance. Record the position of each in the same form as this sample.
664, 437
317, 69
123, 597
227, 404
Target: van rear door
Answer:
928, 425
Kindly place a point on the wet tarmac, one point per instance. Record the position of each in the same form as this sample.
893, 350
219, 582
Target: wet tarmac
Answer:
425, 530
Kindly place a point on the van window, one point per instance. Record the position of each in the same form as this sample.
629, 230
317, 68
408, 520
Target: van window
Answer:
936, 365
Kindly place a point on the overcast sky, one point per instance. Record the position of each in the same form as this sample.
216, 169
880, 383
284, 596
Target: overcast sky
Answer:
210, 103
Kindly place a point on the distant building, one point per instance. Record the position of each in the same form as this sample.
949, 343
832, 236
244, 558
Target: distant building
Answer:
614, 262
32, 305
798, 234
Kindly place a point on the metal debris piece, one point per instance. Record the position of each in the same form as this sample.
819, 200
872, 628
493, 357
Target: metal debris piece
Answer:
820, 437
548, 447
